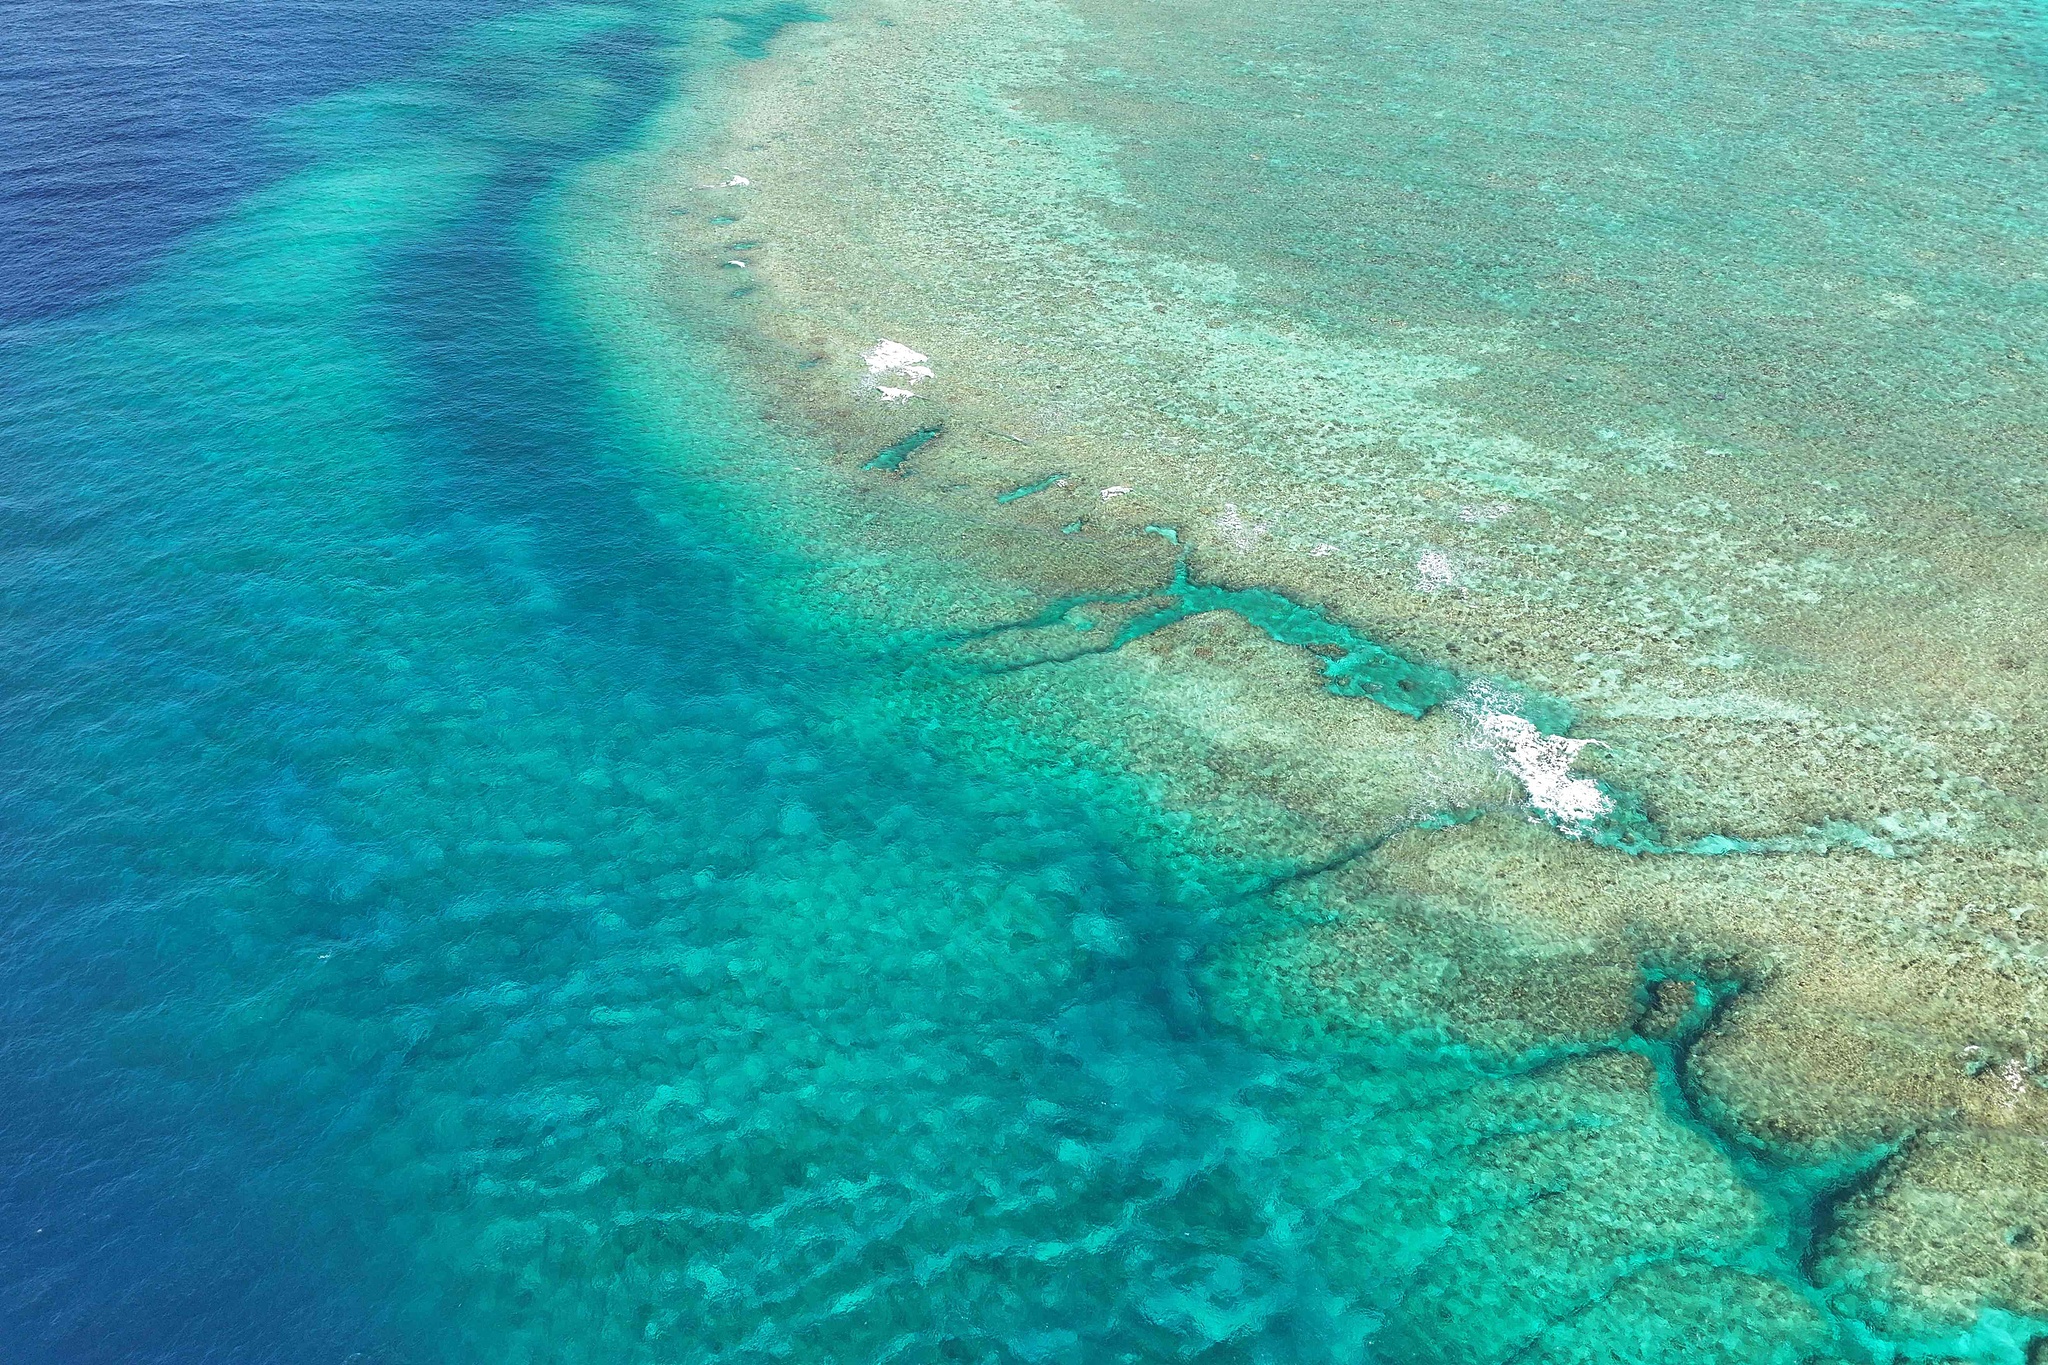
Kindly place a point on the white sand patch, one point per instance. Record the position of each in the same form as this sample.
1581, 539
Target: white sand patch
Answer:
1434, 572
1239, 534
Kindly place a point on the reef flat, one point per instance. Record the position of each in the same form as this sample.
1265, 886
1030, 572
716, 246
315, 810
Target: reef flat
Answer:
1545, 506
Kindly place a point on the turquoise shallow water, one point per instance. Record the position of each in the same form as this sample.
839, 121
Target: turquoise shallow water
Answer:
445, 927
450, 917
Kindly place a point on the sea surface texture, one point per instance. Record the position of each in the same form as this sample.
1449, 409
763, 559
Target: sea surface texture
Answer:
692, 682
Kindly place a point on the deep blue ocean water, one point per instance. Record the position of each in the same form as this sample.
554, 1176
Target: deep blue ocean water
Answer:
129, 1233
129, 124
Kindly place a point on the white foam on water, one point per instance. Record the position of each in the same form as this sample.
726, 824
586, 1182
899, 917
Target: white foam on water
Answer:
888, 359
893, 357
1540, 763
